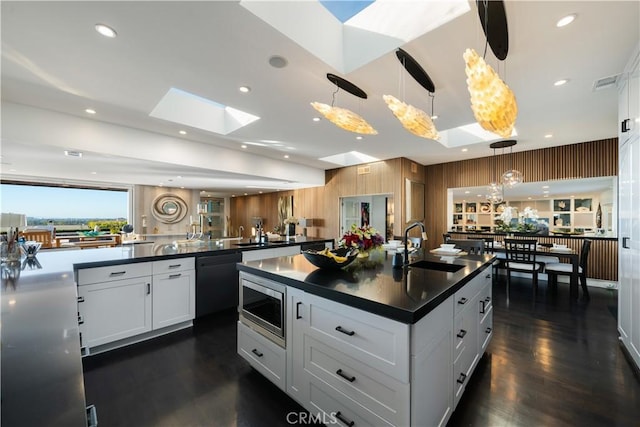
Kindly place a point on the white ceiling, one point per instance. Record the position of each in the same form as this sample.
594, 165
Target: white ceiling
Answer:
54, 62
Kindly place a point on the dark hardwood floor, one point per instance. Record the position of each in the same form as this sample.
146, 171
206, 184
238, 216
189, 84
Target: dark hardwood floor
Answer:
550, 363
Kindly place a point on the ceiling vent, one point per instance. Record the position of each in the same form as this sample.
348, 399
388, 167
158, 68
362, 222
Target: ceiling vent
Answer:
606, 82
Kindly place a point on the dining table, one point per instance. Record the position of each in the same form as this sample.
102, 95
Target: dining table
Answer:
562, 253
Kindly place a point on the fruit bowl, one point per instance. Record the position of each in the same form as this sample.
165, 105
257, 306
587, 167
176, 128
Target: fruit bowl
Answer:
331, 259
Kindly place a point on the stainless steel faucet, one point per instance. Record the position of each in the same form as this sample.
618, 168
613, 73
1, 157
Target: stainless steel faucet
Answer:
406, 239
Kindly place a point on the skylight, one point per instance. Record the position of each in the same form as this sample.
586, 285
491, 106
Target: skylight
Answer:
349, 34
192, 110
468, 135
349, 159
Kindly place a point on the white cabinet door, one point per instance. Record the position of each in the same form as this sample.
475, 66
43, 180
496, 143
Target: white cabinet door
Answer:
634, 244
625, 216
174, 298
114, 310
431, 367
297, 323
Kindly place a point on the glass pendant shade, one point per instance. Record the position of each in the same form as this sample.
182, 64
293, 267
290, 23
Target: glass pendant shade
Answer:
345, 119
511, 178
494, 193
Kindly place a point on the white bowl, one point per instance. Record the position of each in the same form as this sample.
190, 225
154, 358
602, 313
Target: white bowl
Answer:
448, 246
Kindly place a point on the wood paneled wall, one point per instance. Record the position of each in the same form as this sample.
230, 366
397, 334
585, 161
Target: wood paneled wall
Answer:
584, 160
589, 159
323, 203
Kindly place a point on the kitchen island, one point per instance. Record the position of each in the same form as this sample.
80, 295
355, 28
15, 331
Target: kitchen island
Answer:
41, 378
378, 346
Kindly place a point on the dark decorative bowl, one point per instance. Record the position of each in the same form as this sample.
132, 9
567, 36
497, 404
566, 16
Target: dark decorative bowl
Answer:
322, 261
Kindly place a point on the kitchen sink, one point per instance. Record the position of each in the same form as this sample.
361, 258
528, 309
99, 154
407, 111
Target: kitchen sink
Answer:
429, 265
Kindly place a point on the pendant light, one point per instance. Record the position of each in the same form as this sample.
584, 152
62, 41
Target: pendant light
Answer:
511, 177
495, 190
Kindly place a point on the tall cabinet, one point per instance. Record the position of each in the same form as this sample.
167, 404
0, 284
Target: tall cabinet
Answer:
629, 205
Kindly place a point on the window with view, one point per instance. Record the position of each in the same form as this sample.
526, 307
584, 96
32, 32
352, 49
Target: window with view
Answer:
67, 208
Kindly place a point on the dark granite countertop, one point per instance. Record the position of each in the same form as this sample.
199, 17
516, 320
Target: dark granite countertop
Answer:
405, 295
41, 378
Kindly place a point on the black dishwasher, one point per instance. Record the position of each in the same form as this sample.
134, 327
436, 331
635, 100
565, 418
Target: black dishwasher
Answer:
216, 283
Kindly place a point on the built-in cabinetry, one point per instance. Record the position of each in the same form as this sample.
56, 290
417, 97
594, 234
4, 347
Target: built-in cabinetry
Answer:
354, 367
212, 217
121, 304
629, 203
573, 213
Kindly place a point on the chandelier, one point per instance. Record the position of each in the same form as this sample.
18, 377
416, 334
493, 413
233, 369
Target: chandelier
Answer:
413, 119
492, 101
341, 117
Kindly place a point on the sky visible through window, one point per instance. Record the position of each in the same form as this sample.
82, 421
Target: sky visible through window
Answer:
58, 202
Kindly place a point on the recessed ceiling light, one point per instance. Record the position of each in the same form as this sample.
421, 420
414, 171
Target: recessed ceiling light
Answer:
358, 137
561, 82
549, 135
286, 156
182, 132
179, 177
246, 194
182, 187
202, 191
573, 196
464, 150
244, 89
467, 192
277, 61
545, 186
546, 192
529, 198
12, 170
94, 173
566, 20
480, 195
160, 185
90, 111
434, 117
260, 192
316, 119
106, 30
243, 146
233, 195
546, 195
72, 153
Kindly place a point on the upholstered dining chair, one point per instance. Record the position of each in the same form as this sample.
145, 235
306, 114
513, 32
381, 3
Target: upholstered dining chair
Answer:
470, 246
521, 257
553, 270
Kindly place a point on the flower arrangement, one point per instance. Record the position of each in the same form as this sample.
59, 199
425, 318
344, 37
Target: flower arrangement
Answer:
364, 238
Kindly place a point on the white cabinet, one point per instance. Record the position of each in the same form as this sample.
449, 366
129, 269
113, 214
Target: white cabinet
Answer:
259, 254
347, 365
174, 288
122, 304
111, 311
629, 210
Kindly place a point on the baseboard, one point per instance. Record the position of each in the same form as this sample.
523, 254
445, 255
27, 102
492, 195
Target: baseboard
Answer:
634, 367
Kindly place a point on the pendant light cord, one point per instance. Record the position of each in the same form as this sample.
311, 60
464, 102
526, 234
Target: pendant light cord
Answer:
486, 27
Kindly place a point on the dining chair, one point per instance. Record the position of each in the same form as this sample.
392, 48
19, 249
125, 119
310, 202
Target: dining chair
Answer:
521, 257
42, 236
470, 246
489, 247
563, 268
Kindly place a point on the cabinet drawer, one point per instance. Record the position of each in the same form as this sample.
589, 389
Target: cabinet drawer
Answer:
266, 357
337, 409
171, 265
113, 272
374, 340
464, 295
385, 396
485, 332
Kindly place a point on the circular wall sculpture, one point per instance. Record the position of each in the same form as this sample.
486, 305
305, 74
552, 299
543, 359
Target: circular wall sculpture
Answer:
168, 208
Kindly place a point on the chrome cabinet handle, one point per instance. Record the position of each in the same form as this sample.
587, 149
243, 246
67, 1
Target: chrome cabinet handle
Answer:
461, 378
117, 273
344, 331
80, 320
482, 307
148, 288
175, 276
488, 330
175, 265
80, 299
462, 300
462, 333
488, 276
345, 376
256, 352
624, 242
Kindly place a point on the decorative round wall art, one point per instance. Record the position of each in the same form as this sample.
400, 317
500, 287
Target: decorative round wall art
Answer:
168, 208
